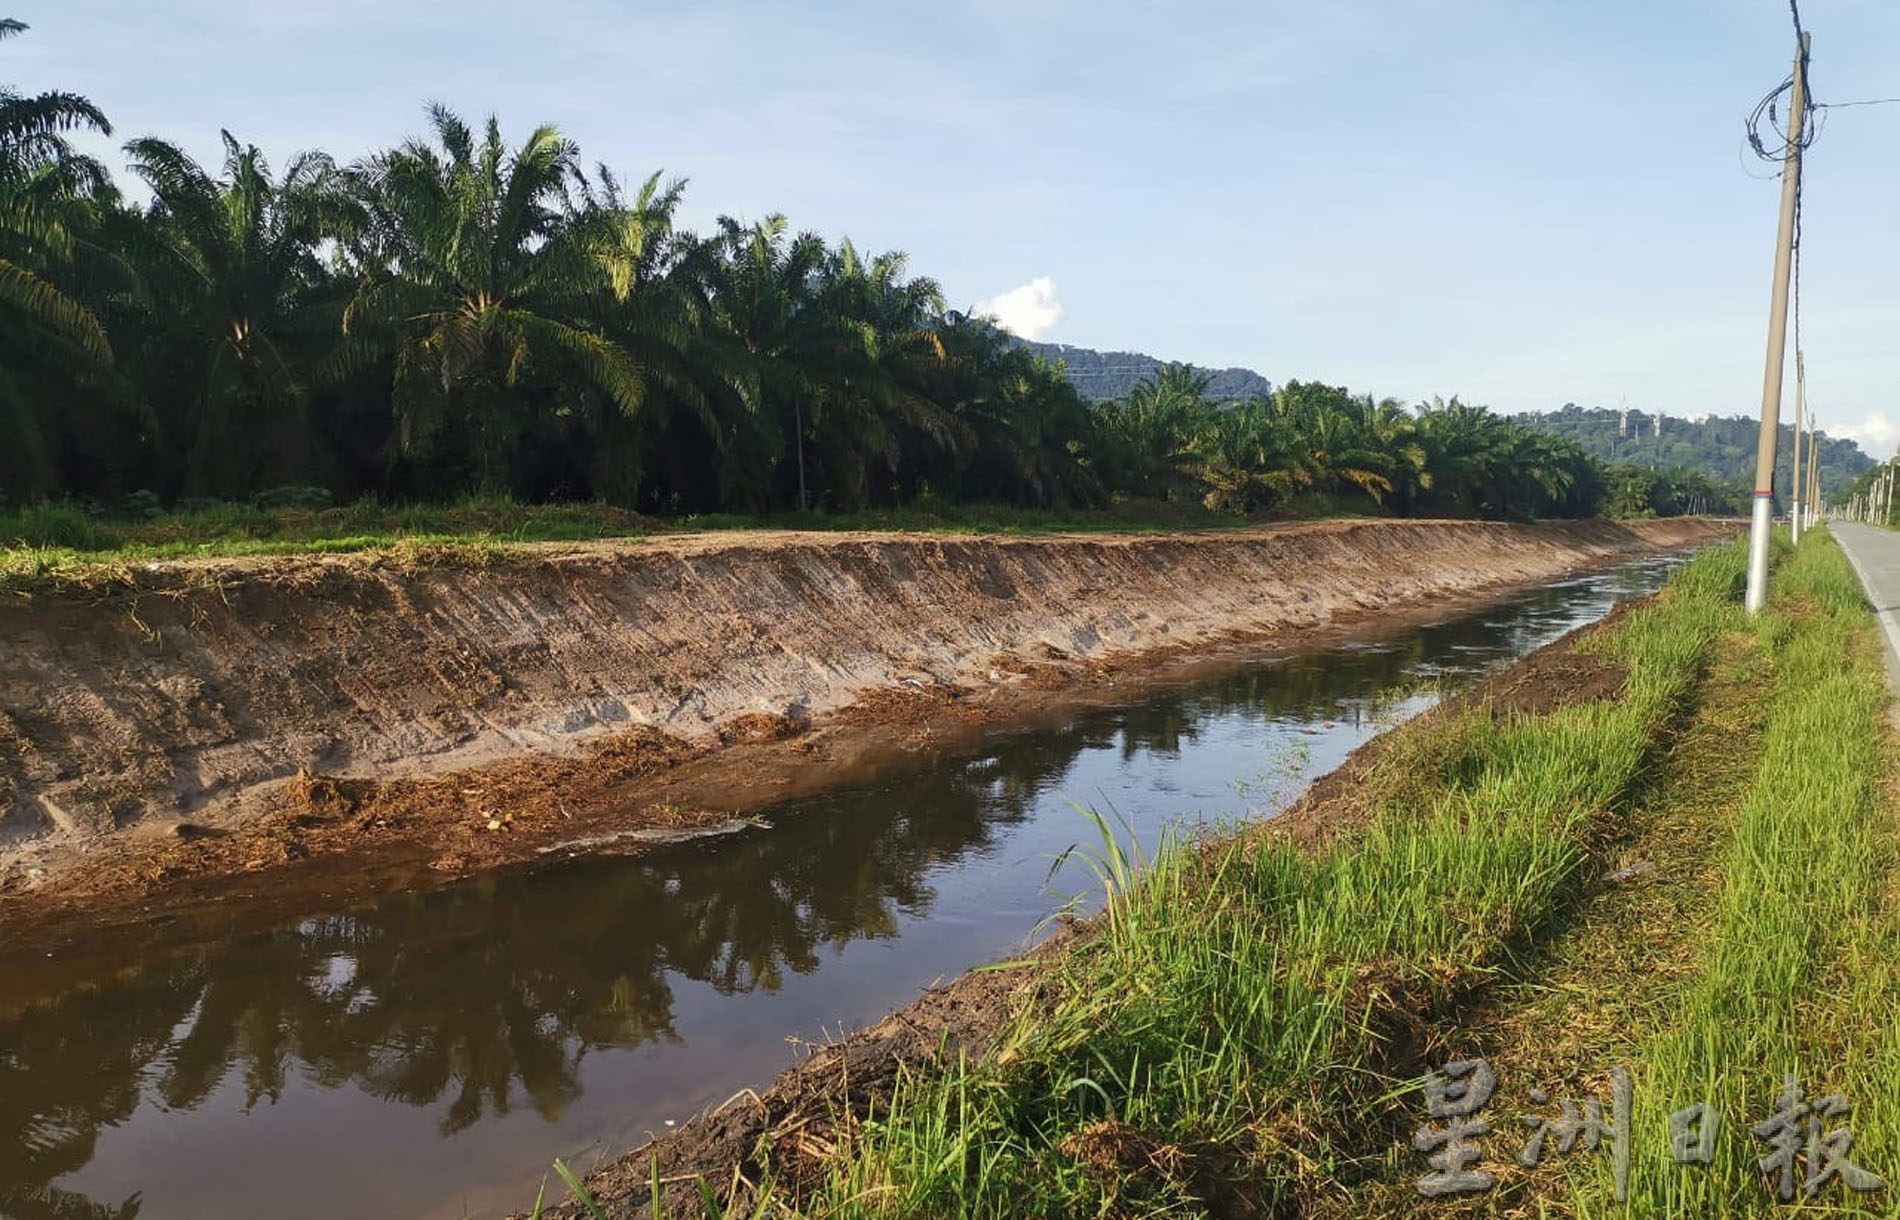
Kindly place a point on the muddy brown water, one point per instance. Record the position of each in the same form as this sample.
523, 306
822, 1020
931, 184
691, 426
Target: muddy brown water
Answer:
429, 1055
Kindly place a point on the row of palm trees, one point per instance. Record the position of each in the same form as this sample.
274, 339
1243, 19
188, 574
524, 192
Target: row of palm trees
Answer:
467, 315
1308, 439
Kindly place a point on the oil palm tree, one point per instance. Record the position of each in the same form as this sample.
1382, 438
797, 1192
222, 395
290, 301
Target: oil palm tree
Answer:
653, 297
879, 407
1385, 427
1460, 443
1030, 438
1331, 451
802, 354
233, 265
472, 281
1155, 428
1242, 456
47, 194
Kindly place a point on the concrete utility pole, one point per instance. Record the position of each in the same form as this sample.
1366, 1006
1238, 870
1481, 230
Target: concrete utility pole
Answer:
1763, 519
1800, 404
1814, 475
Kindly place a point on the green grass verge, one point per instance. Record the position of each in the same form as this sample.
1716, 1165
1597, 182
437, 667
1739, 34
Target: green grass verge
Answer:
62, 544
1237, 1036
63, 530
1801, 971
1121, 517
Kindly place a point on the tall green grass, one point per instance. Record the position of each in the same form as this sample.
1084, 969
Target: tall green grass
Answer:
1239, 1027
1802, 974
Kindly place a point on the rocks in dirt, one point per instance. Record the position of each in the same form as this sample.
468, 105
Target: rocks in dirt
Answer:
1630, 872
761, 727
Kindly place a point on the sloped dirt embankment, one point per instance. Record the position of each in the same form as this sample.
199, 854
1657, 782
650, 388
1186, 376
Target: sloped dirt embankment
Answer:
243, 716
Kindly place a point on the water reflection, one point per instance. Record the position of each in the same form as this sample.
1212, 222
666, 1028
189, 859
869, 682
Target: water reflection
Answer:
500, 995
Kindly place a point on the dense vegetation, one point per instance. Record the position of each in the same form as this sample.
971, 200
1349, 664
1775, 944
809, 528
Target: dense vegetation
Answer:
465, 315
1862, 498
1721, 449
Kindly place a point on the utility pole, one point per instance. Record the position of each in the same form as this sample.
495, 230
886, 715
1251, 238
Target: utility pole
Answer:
1800, 404
1763, 520
1814, 472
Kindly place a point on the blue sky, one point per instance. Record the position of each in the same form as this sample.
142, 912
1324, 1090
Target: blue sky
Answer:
1524, 202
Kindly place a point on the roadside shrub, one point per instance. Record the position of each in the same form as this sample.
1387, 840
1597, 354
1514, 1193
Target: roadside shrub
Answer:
364, 513
62, 524
309, 499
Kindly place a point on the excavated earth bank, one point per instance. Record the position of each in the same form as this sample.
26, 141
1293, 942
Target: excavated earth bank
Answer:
359, 722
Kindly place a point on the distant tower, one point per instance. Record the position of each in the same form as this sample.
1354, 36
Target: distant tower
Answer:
1623, 427
1659, 423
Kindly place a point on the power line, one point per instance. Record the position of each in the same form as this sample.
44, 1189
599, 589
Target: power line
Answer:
1872, 101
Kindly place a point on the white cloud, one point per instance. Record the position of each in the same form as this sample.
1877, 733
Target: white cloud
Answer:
1029, 312
1875, 434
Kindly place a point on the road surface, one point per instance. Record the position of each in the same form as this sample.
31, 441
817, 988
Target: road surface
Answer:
1875, 554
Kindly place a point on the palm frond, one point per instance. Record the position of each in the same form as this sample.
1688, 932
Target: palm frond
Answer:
46, 305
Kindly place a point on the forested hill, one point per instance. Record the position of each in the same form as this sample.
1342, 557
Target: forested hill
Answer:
1101, 376
1722, 447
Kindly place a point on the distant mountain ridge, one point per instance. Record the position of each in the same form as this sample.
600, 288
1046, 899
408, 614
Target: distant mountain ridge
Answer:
1722, 447
1099, 376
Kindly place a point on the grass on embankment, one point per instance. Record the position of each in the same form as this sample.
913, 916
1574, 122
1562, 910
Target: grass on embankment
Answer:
57, 544
1246, 1033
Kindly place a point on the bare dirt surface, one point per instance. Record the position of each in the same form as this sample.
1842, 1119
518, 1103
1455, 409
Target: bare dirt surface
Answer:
219, 737
791, 1132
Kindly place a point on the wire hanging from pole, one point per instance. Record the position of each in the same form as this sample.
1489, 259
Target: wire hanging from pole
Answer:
1779, 151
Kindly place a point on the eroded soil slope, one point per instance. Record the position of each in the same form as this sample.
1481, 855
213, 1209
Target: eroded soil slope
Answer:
221, 691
